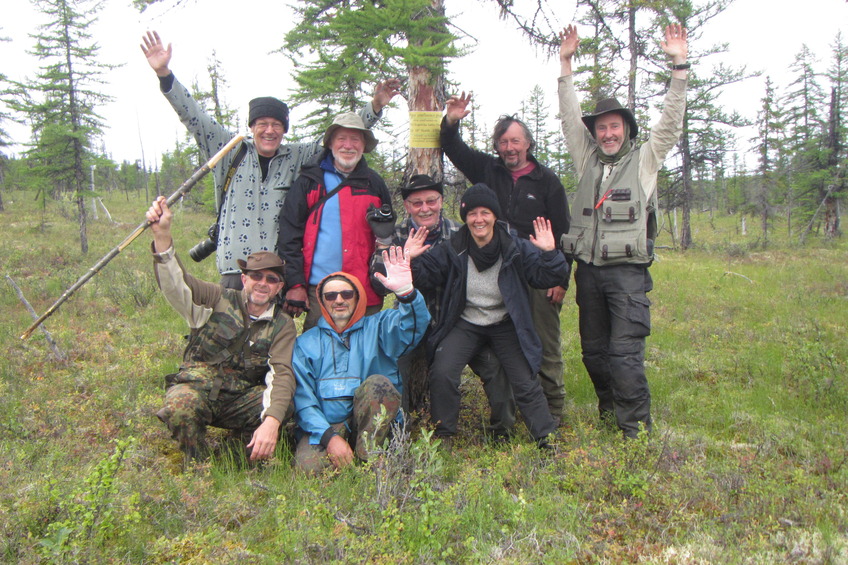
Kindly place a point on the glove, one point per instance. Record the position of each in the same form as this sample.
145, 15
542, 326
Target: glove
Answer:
382, 222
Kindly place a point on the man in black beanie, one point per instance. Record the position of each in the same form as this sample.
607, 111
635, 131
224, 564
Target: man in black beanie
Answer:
249, 205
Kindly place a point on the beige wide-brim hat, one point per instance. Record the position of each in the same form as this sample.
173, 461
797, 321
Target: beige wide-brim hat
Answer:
351, 121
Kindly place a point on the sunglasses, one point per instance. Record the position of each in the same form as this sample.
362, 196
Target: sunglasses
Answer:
345, 294
257, 277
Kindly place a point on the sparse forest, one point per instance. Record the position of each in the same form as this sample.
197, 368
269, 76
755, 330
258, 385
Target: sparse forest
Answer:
748, 363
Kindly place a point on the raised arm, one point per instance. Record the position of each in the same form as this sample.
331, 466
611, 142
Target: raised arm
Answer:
569, 40
158, 56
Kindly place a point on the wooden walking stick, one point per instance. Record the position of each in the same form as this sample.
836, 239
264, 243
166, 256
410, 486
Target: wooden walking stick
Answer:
181, 191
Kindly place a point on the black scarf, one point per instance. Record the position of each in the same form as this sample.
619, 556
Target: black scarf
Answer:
483, 257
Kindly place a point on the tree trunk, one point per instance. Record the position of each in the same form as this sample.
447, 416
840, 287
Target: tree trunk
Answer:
831, 217
834, 143
426, 94
82, 222
686, 173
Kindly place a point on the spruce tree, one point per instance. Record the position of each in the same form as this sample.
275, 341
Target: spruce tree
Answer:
61, 101
770, 148
837, 133
804, 106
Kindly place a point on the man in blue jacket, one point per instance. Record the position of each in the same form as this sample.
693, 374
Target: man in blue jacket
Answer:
346, 366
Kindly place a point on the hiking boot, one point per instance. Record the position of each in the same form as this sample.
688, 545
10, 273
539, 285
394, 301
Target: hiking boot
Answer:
498, 440
549, 444
445, 443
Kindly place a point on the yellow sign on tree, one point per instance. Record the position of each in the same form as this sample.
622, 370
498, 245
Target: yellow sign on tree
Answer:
424, 130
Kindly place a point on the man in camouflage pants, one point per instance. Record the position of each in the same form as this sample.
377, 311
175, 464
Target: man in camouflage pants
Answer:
236, 372
346, 366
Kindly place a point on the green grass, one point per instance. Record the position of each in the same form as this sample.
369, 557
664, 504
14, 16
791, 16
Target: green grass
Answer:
747, 365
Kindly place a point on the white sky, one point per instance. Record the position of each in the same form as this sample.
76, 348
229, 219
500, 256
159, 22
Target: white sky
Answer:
501, 71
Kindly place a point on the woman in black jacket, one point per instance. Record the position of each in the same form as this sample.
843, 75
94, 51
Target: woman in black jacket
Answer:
486, 302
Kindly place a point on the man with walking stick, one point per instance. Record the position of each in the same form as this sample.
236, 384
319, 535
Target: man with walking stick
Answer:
236, 371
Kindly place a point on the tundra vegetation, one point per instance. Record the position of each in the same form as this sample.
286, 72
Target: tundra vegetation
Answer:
747, 463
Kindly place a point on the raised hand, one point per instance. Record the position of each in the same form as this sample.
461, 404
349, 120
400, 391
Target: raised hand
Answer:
569, 40
416, 242
544, 235
398, 277
159, 217
676, 44
158, 56
456, 107
384, 92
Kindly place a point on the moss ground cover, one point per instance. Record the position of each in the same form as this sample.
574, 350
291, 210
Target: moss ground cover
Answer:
747, 464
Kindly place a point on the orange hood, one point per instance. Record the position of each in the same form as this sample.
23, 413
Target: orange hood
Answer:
358, 311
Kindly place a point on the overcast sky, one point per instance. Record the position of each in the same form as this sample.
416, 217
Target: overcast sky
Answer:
501, 70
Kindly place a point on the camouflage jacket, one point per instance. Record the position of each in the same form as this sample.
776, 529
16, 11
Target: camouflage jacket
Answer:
218, 318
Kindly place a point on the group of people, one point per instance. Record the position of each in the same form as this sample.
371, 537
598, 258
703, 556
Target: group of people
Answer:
308, 228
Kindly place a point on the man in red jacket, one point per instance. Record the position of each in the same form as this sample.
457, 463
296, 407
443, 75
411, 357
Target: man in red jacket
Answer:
324, 225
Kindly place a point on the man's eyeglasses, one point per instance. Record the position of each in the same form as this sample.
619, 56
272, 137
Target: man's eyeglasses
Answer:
257, 277
333, 294
262, 126
430, 202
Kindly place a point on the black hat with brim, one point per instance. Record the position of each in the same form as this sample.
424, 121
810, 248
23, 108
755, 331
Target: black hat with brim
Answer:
607, 106
420, 182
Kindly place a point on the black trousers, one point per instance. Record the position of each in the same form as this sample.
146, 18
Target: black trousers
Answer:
614, 321
463, 342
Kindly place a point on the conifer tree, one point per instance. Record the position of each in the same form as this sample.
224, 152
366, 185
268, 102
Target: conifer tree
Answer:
5, 116
837, 133
770, 148
804, 106
61, 101
535, 113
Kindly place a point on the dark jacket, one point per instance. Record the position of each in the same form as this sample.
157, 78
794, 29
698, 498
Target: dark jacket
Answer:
299, 227
446, 266
539, 193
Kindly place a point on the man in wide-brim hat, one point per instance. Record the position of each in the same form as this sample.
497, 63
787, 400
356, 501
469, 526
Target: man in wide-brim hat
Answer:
324, 225
613, 228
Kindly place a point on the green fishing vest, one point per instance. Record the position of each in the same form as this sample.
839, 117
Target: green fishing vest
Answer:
610, 223
237, 348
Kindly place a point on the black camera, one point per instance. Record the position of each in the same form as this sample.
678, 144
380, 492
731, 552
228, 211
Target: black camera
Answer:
384, 214
206, 247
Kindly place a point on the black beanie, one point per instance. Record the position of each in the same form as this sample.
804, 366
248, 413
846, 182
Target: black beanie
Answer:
268, 107
479, 195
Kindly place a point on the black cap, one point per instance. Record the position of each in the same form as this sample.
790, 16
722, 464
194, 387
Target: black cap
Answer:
479, 195
268, 107
420, 182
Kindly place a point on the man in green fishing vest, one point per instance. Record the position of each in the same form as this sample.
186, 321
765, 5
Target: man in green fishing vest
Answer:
236, 371
612, 231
